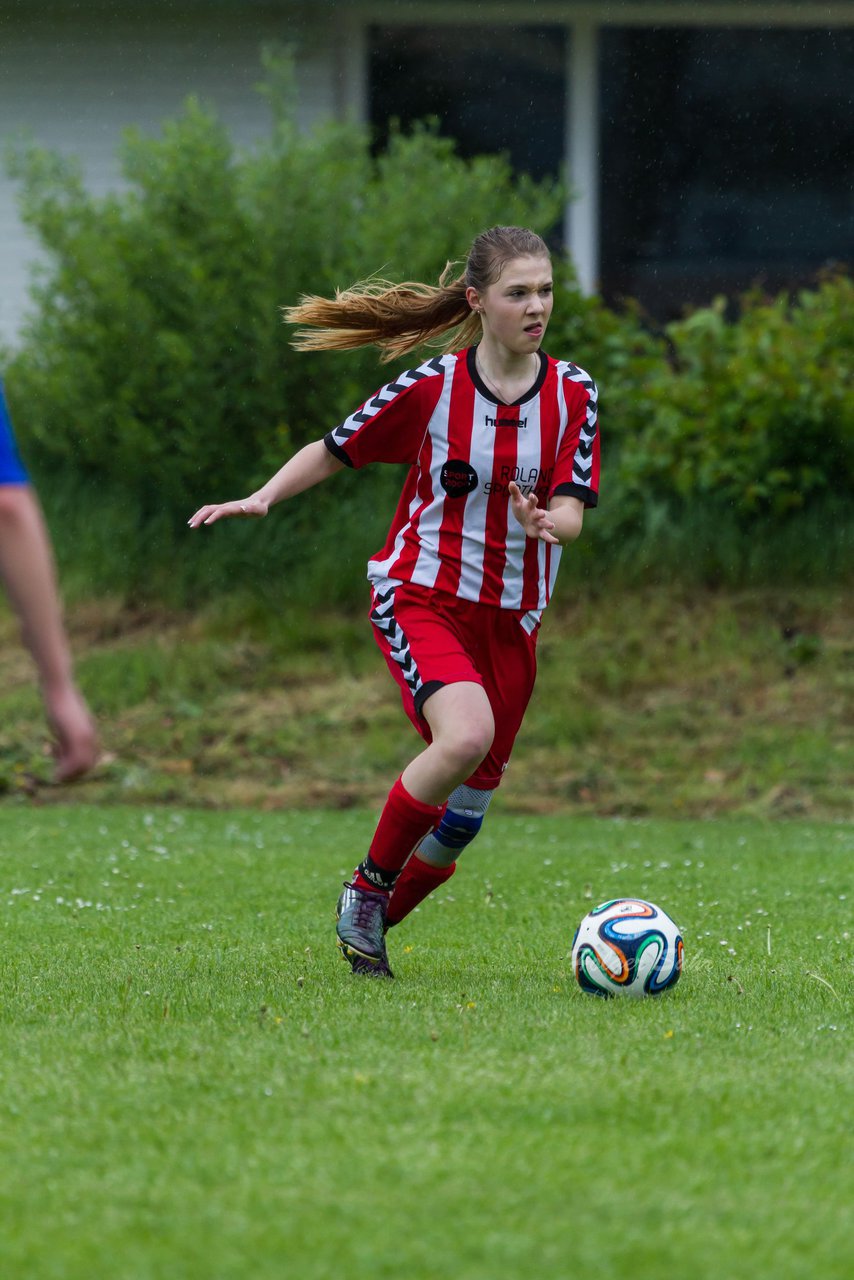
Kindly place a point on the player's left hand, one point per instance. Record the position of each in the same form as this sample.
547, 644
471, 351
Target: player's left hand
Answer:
536, 522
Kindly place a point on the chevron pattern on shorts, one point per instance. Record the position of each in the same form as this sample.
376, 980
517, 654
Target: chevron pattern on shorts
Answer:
382, 616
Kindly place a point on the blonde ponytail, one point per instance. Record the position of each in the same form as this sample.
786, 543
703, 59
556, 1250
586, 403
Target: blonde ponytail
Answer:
398, 318
395, 317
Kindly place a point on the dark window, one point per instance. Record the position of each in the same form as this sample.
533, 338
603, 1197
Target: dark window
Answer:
727, 159
492, 88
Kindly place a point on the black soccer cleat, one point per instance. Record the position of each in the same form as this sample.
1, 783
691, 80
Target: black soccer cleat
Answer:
361, 925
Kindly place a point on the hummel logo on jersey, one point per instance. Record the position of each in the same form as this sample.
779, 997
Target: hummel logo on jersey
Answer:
458, 478
519, 423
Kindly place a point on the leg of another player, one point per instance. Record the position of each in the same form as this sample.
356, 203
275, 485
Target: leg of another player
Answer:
28, 572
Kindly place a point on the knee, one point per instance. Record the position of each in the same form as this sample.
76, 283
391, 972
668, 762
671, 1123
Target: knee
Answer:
463, 727
468, 742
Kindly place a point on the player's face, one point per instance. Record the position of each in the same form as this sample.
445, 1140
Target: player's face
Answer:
515, 310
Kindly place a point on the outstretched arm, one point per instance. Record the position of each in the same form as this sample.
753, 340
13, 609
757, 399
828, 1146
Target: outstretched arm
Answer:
305, 469
27, 570
560, 524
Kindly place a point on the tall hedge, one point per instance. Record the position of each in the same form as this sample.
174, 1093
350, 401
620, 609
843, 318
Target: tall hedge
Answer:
752, 408
156, 358
154, 372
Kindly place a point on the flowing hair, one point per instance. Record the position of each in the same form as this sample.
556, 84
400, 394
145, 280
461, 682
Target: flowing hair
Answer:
397, 318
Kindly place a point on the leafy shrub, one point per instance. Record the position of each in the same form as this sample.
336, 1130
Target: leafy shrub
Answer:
155, 373
155, 363
728, 439
756, 413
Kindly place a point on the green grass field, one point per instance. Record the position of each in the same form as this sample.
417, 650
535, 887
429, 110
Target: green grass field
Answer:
193, 1084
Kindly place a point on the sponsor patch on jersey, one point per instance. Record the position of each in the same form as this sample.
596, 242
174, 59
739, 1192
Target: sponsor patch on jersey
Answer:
458, 478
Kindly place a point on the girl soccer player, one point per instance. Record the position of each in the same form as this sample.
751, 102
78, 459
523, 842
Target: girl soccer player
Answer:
503, 452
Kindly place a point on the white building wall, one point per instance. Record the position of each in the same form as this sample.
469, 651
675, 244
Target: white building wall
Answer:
74, 82
74, 85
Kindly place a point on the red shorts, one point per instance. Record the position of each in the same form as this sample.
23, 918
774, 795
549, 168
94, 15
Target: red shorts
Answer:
431, 638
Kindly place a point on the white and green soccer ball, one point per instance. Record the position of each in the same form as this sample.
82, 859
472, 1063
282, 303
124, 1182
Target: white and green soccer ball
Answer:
627, 947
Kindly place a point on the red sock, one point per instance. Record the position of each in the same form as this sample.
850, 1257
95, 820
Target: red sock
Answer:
416, 881
403, 824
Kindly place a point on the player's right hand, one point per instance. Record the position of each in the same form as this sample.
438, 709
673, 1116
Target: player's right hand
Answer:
242, 508
76, 747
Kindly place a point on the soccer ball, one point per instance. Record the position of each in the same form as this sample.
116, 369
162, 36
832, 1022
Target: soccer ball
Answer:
627, 947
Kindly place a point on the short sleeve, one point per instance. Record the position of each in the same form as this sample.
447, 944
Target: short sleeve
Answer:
577, 470
12, 469
390, 426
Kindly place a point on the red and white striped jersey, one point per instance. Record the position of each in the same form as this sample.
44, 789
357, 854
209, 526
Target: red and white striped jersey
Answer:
453, 530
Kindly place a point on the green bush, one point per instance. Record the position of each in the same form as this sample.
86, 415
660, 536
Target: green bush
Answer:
155, 366
754, 412
155, 373
728, 436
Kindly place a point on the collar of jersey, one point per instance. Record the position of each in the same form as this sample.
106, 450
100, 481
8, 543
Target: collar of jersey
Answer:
483, 389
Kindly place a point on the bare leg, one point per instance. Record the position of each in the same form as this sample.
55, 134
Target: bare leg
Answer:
28, 573
461, 722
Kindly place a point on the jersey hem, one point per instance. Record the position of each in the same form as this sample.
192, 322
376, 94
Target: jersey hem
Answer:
380, 582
